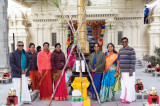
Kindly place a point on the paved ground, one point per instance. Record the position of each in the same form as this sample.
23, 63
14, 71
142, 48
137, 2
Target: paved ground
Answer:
148, 81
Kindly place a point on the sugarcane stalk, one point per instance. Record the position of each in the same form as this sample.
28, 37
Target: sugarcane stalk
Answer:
70, 16
81, 76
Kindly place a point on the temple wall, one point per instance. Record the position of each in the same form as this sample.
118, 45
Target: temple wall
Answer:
123, 15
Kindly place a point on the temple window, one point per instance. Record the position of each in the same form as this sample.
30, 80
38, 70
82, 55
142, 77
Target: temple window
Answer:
54, 38
120, 35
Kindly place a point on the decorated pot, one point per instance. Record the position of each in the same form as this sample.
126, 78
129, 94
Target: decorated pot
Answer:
139, 81
153, 91
157, 65
5, 71
12, 92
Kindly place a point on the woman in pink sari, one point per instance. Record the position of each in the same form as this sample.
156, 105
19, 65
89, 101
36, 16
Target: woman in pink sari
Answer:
72, 57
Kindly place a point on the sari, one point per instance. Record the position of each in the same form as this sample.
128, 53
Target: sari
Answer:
71, 60
108, 81
97, 78
61, 92
34, 76
46, 89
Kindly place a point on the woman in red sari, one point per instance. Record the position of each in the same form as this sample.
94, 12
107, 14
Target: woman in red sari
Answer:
45, 69
58, 62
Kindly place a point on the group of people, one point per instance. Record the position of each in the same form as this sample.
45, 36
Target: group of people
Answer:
45, 68
106, 67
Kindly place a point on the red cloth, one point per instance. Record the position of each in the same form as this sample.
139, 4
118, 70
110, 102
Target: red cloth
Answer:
61, 92
46, 88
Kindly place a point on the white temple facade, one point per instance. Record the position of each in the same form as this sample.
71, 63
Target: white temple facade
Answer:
39, 23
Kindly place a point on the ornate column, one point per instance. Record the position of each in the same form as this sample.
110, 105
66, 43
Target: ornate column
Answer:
64, 39
124, 29
61, 38
37, 29
40, 36
43, 35
138, 34
132, 33
83, 30
50, 33
113, 33
4, 49
105, 38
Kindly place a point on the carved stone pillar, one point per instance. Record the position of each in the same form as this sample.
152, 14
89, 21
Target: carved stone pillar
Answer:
61, 38
40, 36
4, 51
138, 34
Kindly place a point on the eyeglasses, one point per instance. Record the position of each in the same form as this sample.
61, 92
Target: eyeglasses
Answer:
124, 41
20, 45
96, 46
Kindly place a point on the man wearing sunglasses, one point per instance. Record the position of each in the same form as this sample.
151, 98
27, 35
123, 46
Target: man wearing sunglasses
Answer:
127, 66
20, 66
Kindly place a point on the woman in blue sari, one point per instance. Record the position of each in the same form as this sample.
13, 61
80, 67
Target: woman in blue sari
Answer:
110, 74
96, 65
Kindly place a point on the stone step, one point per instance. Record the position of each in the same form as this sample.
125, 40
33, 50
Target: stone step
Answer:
141, 97
5, 81
138, 67
149, 70
138, 64
156, 74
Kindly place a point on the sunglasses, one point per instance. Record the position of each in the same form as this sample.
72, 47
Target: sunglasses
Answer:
20, 45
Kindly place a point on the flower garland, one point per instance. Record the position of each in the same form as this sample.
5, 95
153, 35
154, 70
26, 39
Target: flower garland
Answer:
68, 36
100, 42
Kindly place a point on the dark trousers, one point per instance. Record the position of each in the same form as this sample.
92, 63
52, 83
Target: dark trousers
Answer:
145, 19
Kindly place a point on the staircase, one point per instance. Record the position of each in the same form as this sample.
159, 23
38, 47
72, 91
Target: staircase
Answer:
138, 64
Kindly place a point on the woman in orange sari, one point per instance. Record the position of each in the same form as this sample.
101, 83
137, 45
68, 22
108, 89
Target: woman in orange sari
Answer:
34, 74
110, 74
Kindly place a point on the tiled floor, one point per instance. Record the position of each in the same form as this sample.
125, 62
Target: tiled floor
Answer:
148, 81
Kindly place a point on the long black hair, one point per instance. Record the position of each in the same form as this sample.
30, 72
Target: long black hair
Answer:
114, 51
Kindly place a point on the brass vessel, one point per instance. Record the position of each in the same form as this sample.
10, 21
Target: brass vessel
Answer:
139, 81
12, 92
153, 91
